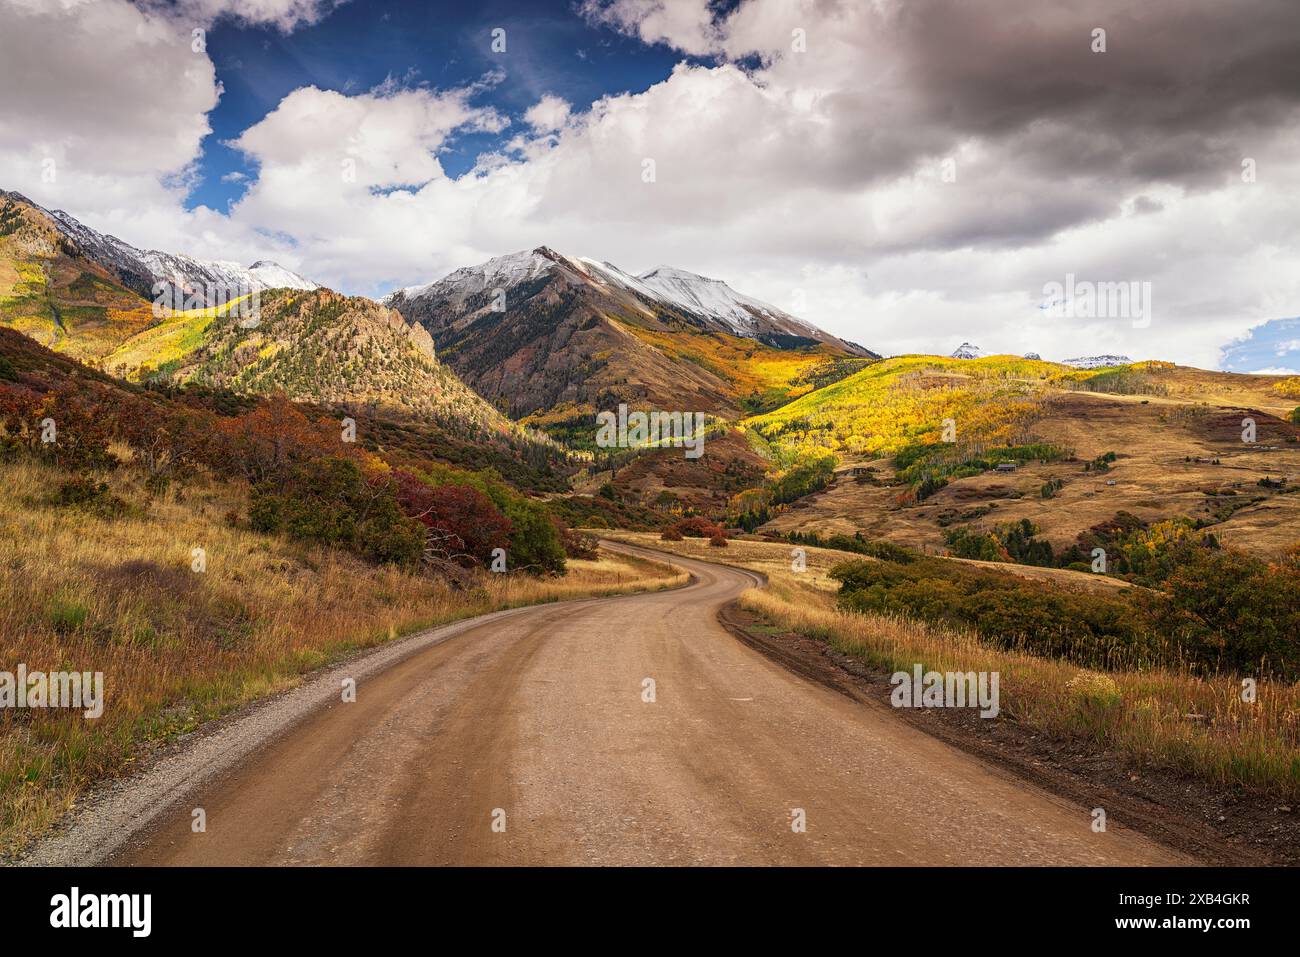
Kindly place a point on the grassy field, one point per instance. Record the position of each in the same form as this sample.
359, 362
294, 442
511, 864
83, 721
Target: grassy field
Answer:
1177, 438
1161, 718
110, 587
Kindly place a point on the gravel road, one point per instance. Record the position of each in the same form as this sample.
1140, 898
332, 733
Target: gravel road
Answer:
525, 737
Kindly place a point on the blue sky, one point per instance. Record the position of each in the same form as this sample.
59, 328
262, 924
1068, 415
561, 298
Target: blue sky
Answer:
1272, 347
358, 46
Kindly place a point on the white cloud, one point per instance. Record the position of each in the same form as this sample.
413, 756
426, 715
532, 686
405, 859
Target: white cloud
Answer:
84, 107
284, 15
686, 25
816, 178
548, 114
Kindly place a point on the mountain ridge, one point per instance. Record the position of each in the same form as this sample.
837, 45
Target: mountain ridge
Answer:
551, 337
712, 302
181, 276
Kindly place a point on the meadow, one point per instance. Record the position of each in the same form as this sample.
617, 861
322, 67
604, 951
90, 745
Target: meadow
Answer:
108, 584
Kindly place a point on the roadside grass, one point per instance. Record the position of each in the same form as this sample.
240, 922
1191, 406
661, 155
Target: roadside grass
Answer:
85, 590
1155, 718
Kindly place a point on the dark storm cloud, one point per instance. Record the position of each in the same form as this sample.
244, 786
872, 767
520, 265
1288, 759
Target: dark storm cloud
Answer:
1182, 91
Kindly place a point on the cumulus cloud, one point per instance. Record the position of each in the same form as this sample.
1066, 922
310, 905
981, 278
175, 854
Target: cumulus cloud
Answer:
548, 114
686, 25
94, 119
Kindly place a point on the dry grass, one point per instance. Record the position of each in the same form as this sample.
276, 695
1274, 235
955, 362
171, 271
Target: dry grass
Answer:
176, 647
1157, 718
1157, 476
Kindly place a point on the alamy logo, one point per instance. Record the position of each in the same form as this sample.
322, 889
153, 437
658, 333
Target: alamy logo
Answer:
103, 910
83, 690
624, 430
952, 689
1084, 299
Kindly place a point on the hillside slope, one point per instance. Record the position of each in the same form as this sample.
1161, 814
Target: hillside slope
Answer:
314, 346
52, 291
1152, 440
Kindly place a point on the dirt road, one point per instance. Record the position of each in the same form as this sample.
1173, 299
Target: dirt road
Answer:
537, 722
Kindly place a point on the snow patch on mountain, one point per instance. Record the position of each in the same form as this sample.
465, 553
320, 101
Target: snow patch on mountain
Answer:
143, 268
967, 351
501, 272
1097, 362
713, 297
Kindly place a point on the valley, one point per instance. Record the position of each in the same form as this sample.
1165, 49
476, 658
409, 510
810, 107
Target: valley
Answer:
435, 455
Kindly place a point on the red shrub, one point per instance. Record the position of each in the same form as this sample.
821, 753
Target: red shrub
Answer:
581, 545
697, 527
268, 441
463, 523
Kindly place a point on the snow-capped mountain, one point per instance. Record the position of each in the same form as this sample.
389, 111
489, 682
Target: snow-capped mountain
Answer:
538, 330
713, 297
141, 269
699, 300
967, 351
1033, 355
1097, 362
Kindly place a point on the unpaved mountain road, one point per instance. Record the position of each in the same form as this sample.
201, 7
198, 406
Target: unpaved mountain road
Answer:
539, 716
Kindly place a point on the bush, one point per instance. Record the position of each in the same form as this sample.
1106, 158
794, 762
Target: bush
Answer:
718, 541
1094, 689
463, 524
580, 545
1250, 608
670, 534
1222, 610
1094, 630
535, 544
331, 502
697, 527
85, 493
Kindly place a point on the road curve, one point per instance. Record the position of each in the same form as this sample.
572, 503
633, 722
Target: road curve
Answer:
537, 720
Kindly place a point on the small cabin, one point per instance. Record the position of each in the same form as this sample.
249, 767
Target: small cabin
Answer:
1005, 467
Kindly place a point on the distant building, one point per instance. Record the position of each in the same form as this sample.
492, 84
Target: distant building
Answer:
1005, 467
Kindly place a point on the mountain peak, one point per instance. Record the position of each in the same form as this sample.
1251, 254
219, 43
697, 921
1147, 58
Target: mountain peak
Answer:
672, 272
967, 351
1097, 362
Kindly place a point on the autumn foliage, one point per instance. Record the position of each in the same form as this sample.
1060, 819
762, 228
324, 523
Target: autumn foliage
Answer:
307, 479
